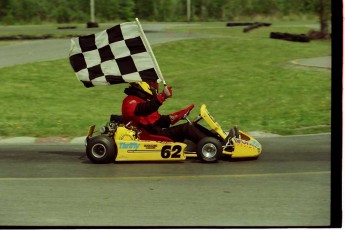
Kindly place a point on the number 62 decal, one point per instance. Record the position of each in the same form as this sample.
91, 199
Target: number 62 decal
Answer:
171, 152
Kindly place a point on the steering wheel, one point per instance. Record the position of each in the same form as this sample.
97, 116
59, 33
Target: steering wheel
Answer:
185, 116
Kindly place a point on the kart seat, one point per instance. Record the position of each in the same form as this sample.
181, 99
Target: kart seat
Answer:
144, 135
116, 119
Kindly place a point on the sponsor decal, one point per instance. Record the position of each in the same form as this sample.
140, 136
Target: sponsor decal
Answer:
130, 145
255, 143
252, 143
150, 146
132, 101
239, 141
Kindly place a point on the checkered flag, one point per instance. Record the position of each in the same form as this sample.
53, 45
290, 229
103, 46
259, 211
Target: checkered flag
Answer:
116, 55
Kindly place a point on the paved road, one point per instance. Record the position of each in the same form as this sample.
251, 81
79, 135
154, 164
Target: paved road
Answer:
56, 185
53, 49
320, 62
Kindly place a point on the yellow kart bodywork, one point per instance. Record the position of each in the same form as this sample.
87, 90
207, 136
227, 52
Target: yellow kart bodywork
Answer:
150, 151
120, 142
244, 146
130, 148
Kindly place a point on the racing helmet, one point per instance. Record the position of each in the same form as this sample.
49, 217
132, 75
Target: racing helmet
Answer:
146, 87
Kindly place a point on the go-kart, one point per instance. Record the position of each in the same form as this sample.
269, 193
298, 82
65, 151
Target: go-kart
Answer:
117, 141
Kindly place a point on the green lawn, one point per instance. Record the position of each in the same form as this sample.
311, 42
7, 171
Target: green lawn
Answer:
245, 79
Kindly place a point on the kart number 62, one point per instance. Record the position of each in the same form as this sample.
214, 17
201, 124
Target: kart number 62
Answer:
173, 152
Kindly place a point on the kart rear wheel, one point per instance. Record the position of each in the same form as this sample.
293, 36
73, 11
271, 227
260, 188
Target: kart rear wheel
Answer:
101, 149
209, 149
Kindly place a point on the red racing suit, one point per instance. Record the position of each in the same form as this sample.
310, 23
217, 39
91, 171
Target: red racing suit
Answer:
142, 110
144, 113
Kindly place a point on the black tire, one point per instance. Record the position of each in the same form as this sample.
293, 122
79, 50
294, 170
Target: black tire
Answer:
209, 149
101, 150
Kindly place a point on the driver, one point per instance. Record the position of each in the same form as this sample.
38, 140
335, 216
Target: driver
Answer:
141, 107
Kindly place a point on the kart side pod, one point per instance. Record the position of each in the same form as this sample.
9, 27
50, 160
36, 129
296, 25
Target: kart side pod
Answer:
124, 145
130, 148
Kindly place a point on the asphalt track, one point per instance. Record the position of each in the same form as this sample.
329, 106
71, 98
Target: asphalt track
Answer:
56, 185
53, 49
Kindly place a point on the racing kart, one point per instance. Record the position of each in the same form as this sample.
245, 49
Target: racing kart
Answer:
117, 142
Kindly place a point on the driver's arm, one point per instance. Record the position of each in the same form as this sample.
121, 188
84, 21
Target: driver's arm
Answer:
147, 107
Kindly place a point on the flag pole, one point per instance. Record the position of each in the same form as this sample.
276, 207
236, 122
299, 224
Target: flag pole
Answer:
148, 47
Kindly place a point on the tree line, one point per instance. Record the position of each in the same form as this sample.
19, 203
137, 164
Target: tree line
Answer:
74, 11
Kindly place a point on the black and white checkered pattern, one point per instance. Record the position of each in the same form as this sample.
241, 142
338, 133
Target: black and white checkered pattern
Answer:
112, 56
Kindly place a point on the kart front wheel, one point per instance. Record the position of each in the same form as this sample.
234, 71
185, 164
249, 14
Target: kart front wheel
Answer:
101, 149
209, 149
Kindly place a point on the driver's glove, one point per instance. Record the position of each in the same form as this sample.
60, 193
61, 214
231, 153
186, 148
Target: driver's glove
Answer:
175, 117
165, 94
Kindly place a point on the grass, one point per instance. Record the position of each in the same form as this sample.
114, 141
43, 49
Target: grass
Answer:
245, 79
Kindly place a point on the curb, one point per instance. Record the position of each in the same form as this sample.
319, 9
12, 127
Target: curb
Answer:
317, 62
81, 140
42, 140
18, 140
